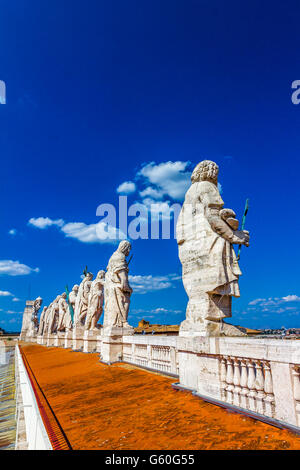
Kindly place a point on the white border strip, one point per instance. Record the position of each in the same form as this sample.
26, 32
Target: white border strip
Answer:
36, 434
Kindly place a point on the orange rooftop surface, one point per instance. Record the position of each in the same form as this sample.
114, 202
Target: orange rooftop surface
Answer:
122, 407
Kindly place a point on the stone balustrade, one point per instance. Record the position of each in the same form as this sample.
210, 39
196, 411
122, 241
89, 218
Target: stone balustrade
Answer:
260, 376
153, 352
248, 384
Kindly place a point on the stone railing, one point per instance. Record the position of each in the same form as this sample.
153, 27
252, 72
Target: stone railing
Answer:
248, 384
154, 352
260, 376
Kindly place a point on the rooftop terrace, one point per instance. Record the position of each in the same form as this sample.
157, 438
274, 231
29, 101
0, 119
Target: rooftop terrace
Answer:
122, 407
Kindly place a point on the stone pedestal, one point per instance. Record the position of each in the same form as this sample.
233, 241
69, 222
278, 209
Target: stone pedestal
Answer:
59, 340
68, 339
50, 340
42, 339
22, 336
31, 339
112, 343
199, 369
39, 339
99, 343
90, 341
78, 333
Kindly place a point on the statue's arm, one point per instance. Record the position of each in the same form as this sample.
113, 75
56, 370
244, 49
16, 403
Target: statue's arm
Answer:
212, 210
124, 284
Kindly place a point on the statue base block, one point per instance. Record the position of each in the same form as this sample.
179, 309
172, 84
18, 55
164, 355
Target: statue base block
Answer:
42, 340
99, 343
31, 339
112, 343
78, 339
209, 328
50, 340
90, 341
59, 339
68, 339
39, 339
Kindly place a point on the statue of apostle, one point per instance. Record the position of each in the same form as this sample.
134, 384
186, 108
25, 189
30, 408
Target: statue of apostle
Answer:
95, 303
117, 289
205, 235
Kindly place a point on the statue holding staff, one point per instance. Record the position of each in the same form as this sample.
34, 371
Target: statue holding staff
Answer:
117, 289
95, 302
206, 233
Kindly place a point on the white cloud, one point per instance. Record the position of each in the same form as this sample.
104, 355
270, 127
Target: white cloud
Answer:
128, 187
152, 193
44, 222
277, 305
5, 293
15, 268
12, 231
93, 233
15, 299
291, 298
85, 233
256, 301
275, 301
168, 178
143, 284
158, 208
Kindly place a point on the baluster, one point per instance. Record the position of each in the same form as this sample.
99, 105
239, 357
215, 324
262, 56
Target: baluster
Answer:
244, 382
236, 382
269, 396
223, 377
229, 381
296, 386
251, 387
259, 386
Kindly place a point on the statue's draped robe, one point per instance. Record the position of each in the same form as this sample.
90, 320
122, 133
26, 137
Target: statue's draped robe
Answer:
95, 302
209, 263
81, 303
64, 315
116, 301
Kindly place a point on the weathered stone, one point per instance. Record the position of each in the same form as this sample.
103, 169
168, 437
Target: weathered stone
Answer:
205, 235
95, 302
117, 289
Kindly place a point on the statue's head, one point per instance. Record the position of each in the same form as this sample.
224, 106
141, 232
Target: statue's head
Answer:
124, 247
89, 276
64, 295
75, 288
38, 301
205, 171
101, 274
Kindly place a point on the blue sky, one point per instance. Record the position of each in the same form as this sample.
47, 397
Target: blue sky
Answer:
101, 93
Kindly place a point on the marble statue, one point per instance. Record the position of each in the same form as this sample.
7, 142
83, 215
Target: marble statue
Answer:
206, 233
53, 316
30, 317
64, 319
117, 289
95, 301
72, 297
42, 321
81, 303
